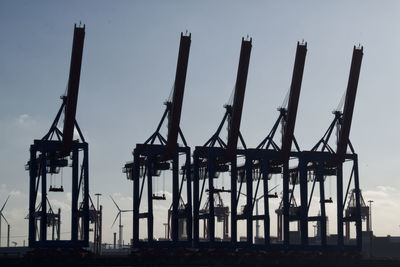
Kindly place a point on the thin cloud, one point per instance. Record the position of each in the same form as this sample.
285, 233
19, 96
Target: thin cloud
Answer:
25, 120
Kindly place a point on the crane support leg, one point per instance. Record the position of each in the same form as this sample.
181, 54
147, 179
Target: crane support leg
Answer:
175, 200
304, 202
149, 199
136, 200
340, 207
358, 205
320, 179
234, 179
196, 204
286, 204
211, 218
266, 203
249, 201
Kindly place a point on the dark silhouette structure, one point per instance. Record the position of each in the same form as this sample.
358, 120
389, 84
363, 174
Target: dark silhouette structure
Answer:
268, 159
151, 159
323, 161
215, 157
300, 170
55, 151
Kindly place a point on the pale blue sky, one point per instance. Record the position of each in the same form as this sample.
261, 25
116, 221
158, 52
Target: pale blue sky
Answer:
129, 63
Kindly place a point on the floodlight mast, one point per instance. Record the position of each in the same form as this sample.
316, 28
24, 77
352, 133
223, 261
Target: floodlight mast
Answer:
71, 99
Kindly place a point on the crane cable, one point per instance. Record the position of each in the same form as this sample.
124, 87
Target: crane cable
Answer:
341, 103
285, 100
230, 100
171, 93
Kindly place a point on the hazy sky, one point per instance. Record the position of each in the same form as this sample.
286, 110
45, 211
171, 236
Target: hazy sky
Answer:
129, 64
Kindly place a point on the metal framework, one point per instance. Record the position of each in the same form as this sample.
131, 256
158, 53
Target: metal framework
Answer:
55, 151
322, 161
351, 211
221, 213
294, 210
268, 159
151, 159
53, 221
215, 157
96, 219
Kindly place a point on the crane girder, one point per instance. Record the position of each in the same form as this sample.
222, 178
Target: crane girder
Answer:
294, 95
349, 104
238, 99
174, 115
71, 98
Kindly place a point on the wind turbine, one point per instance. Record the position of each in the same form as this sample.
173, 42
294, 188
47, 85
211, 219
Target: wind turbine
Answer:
8, 225
120, 224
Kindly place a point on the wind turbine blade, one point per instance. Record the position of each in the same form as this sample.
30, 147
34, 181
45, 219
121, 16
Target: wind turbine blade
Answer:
126, 210
5, 203
4, 218
115, 203
116, 217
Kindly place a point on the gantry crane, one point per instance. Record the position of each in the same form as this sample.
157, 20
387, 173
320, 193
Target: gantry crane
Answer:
268, 159
53, 221
351, 211
323, 161
58, 150
96, 220
221, 213
294, 210
150, 159
216, 156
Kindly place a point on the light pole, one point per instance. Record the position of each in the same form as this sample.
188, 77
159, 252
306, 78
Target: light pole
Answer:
97, 195
370, 215
165, 230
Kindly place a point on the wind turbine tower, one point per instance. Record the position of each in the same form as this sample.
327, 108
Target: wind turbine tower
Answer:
120, 223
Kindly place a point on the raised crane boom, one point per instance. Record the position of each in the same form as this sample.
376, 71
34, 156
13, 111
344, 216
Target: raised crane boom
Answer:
240, 88
293, 103
73, 87
349, 104
174, 115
